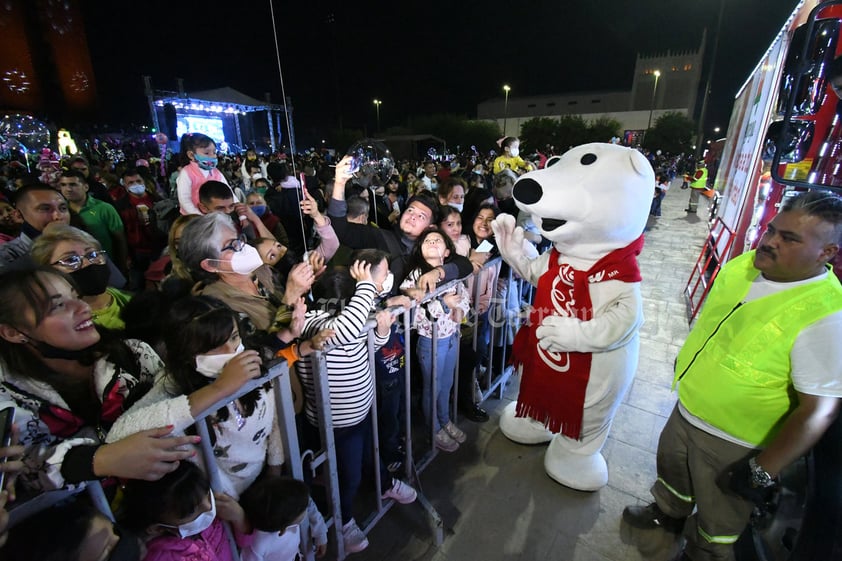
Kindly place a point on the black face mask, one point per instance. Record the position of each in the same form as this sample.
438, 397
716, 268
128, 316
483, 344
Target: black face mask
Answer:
46, 350
91, 280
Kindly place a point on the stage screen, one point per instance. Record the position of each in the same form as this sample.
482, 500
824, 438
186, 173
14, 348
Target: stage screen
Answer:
211, 126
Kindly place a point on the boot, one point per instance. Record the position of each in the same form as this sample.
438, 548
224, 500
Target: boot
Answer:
651, 516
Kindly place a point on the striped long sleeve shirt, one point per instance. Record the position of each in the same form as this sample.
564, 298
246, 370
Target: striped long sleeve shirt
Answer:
349, 374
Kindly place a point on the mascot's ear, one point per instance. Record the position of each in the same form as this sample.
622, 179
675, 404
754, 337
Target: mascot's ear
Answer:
638, 161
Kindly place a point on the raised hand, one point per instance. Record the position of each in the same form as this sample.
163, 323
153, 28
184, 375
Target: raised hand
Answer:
239, 370
299, 281
311, 209
361, 271
317, 263
509, 237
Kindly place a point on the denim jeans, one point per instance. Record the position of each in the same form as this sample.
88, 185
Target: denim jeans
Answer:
446, 351
390, 417
353, 452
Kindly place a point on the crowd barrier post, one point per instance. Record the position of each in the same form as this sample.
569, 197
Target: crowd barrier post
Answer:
328, 455
278, 375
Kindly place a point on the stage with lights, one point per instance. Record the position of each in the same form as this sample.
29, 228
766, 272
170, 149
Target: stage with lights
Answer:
224, 114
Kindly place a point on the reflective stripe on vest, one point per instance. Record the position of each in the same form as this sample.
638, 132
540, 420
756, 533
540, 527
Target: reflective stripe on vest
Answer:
734, 367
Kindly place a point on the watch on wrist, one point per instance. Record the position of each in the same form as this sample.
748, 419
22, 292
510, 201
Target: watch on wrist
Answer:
759, 476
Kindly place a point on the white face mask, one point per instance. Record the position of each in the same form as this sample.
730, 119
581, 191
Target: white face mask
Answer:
198, 524
457, 206
243, 262
387, 285
514, 152
212, 365
137, 189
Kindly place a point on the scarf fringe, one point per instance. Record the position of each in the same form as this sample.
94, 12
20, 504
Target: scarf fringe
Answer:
554, 425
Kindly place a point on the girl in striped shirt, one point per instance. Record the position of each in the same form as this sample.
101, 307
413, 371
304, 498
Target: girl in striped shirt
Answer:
344, 299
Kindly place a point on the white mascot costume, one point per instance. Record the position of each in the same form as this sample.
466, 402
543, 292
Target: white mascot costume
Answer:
578, 351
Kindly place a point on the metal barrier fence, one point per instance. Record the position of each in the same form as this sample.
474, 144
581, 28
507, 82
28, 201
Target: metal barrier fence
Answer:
505, 316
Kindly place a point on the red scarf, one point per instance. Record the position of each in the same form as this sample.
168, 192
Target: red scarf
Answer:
553, 399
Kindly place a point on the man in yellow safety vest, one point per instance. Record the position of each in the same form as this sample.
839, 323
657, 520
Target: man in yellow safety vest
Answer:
698, 183
759, 381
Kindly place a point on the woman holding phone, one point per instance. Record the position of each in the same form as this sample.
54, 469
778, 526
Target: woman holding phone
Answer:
68, 383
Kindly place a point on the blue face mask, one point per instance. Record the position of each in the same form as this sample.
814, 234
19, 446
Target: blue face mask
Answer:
259, 210
207, 163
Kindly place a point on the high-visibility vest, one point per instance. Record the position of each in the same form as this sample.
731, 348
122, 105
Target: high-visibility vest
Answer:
734, 369
700, 179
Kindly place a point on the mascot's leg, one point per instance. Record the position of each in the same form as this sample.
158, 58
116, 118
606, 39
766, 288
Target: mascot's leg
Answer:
522, 430
579, 464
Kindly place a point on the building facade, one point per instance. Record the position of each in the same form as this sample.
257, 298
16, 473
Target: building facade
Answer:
663, 83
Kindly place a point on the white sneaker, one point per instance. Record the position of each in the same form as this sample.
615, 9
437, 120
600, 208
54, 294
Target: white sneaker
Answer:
454, 432
400, 492
443, 441
353, 538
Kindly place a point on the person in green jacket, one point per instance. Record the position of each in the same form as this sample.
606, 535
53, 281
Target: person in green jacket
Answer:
759, 381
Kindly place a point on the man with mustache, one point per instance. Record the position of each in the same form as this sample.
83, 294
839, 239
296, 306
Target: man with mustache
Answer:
759, 380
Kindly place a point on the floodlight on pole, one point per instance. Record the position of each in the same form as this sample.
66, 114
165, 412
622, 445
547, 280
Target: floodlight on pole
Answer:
377, 104
657, 74
506, 89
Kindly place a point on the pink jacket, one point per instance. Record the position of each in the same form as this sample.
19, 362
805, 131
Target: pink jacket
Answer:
193, 177
210, 545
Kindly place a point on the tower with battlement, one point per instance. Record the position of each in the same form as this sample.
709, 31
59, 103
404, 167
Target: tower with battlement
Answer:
678, 84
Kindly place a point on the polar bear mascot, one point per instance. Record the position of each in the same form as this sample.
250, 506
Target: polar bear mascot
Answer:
577, 352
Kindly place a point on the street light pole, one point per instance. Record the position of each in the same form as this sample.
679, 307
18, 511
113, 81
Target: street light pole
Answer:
377, 104
657, 74
506, 89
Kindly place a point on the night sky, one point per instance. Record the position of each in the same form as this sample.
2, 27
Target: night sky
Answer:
418, 57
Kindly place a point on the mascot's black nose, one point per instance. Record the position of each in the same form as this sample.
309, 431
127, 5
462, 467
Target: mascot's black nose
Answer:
528, 191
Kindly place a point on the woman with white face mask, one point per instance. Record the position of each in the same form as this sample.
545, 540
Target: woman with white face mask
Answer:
451, 192
228, 268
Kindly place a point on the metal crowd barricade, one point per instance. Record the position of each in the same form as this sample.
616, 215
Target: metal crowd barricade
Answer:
412, 469
293, 456
18, 512
328, 452
522, 292
286, 420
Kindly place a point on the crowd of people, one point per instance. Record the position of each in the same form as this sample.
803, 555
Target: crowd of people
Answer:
134, 298
131, 301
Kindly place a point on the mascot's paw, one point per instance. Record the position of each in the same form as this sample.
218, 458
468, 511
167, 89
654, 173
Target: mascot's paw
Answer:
507, 235
577, 471
522, 430
554, 333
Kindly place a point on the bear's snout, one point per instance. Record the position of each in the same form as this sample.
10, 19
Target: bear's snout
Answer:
527, 191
